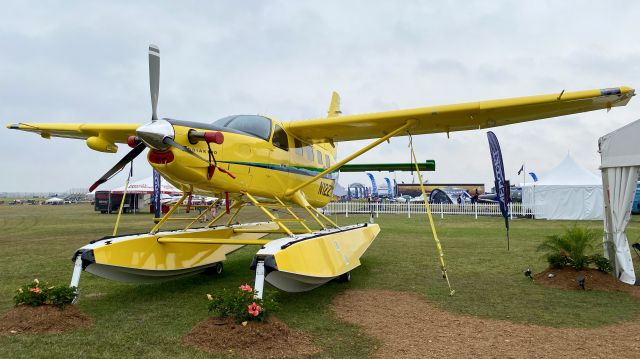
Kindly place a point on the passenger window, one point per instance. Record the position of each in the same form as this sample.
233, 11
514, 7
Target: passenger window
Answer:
309, 152
298, 145
319, 156
280, 139
327, 162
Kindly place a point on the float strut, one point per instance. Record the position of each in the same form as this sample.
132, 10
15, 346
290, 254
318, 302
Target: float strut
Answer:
259, 284
75, 277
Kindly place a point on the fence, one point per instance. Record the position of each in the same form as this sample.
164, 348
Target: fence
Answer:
437, 209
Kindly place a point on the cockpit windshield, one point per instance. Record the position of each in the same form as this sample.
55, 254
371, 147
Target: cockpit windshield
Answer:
252, 125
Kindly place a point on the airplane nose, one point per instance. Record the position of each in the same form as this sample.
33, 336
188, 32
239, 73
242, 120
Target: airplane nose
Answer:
154, 133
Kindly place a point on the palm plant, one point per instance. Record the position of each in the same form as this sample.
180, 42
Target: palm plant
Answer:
572, 248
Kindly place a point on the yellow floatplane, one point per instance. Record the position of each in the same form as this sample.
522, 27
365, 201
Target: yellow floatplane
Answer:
252, 160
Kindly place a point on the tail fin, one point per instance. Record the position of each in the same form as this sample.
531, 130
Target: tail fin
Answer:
334, 108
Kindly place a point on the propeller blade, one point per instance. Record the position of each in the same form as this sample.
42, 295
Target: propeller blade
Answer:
154, 78
170, 141
119, 166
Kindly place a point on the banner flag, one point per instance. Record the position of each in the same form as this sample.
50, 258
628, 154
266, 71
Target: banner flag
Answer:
156, 194
389, 188
533, 175
500, 183
520, 170
374, 188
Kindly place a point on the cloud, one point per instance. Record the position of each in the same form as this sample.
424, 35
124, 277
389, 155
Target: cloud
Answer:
86, 62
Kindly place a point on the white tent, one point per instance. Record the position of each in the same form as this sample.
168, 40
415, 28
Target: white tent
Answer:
566, 192
145, 186
54, 200
338, 190
620, 157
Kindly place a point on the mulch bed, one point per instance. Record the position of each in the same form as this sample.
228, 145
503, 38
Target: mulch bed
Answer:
42, 319
410, 327
566, 278
269, 339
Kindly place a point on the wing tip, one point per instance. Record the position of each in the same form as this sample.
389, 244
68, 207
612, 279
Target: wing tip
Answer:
13, 126
627, 89
620, 91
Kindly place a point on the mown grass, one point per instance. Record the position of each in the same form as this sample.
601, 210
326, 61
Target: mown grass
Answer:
150, 320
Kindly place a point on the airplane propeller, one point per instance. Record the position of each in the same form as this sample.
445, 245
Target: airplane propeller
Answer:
138, 146
154, 79
119, 166
171, 142
159, 134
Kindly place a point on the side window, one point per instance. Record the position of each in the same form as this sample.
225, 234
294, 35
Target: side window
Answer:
280, 139
309, 152
327, 162
298, 145
319, 157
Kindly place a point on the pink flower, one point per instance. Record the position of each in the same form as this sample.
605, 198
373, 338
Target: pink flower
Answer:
246, 288
35, 290
254, 309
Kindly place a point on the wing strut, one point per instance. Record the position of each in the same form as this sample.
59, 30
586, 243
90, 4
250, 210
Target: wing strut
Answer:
337, 165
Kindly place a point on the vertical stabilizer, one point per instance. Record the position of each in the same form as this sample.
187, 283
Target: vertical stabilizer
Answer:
334, 108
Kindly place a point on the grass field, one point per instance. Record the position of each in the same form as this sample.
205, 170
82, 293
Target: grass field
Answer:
150, 320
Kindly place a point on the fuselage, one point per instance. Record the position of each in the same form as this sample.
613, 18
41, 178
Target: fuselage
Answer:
265, 160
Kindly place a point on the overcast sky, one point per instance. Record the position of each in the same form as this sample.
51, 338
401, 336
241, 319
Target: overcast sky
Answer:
87, 62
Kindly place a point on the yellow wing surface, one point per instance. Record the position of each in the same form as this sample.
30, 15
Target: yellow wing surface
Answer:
459, 117
100, 137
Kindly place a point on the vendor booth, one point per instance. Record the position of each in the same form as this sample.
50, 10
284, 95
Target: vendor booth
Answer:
138, 194
145, 186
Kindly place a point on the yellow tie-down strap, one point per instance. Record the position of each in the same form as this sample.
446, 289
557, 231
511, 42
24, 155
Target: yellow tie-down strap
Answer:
433, 227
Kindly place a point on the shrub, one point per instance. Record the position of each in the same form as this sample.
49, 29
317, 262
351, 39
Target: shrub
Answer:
574, 245
36, 294
556, 260
602, 263
580, 262
61, 296
238, 304
31, 294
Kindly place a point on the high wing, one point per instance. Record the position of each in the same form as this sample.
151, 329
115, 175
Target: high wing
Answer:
101, 133
458, 117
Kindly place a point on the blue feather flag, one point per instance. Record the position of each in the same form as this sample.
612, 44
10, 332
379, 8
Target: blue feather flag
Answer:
157, 194
500, 182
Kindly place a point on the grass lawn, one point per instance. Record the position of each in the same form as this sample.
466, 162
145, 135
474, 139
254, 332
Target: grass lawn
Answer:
150, 320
